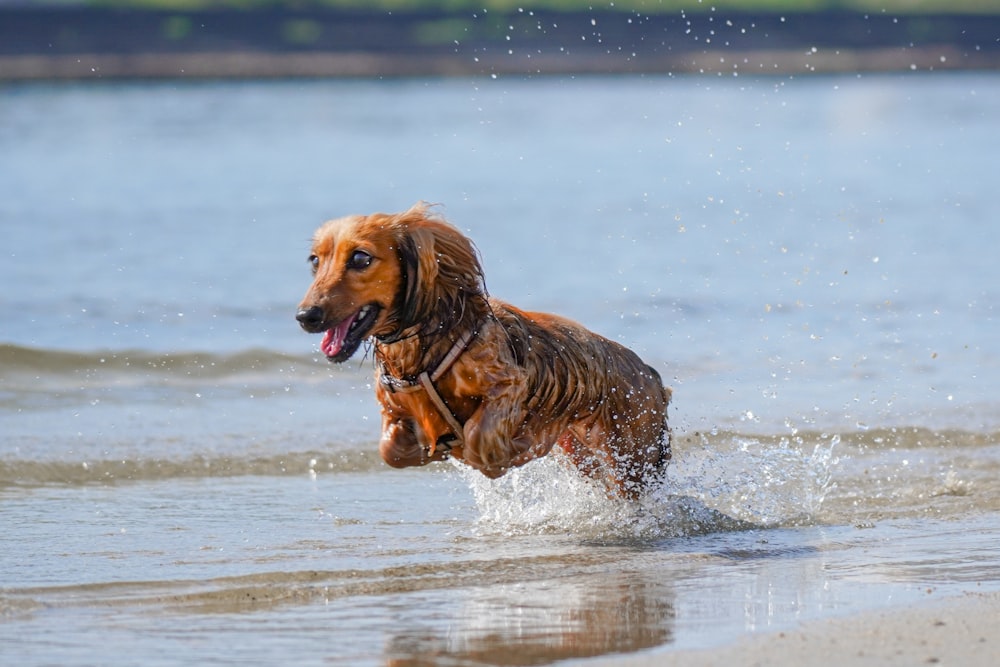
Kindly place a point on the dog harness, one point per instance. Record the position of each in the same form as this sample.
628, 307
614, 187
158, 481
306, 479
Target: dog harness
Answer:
427, 379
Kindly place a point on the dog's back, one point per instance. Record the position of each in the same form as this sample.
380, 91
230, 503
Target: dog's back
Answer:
612, 403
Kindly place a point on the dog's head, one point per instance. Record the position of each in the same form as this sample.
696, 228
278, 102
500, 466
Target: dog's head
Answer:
387, 276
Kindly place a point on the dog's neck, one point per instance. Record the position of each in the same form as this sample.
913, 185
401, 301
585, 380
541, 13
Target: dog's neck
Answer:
420, 348
412, 353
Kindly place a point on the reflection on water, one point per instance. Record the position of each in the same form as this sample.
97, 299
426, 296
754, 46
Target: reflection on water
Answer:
532, 623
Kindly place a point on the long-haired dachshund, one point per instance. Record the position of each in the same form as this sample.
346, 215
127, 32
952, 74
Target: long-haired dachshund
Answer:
461, 374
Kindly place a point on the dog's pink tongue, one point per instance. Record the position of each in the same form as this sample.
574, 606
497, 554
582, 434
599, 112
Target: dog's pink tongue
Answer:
333, 339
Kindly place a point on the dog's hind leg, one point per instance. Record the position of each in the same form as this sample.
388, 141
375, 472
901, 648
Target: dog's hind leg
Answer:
591, 461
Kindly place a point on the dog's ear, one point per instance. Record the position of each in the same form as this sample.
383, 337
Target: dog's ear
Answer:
416, 252
440, 266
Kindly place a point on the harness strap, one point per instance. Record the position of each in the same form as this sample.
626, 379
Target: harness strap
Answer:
427, 379
449, 416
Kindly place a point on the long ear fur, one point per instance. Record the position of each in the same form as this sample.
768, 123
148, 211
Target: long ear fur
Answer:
441, 267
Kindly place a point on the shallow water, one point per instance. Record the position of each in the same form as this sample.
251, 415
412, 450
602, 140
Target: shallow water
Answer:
809, 262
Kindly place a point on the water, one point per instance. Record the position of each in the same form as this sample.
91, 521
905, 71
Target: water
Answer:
809, 262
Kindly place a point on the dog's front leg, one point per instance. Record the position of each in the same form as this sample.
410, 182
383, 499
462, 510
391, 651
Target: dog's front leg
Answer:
401, 448
494, 441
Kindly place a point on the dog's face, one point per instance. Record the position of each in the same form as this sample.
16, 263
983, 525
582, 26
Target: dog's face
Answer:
387, 276
357, 283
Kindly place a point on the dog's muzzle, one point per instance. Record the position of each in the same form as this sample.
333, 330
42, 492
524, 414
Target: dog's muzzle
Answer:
311, 319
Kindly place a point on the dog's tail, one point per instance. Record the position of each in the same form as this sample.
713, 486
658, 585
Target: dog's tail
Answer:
663, 441
667, 436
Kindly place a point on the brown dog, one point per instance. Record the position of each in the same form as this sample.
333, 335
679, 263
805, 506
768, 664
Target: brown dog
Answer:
465, 375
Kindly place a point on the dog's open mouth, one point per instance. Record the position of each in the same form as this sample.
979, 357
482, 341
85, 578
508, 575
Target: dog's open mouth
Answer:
343, 339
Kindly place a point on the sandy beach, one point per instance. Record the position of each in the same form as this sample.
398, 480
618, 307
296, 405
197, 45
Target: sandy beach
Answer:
958, 630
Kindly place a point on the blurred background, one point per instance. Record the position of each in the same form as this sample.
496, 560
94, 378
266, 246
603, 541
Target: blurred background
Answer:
268, 38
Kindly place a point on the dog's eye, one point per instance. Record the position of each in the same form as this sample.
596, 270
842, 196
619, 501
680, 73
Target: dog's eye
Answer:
359, 260
314, 262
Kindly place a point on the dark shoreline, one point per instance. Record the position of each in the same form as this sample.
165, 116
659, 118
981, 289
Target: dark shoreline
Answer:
95, 44
259, 65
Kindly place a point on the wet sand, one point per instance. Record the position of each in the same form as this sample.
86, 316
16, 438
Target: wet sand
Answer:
959, 630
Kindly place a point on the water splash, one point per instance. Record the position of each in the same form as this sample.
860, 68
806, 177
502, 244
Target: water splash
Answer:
763, 480
715, 483
546, 496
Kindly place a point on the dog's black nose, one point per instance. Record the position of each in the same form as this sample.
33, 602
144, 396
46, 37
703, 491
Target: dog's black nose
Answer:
310, 318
